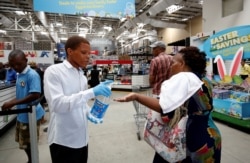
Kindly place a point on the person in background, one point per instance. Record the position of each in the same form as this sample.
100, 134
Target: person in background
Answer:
94, 77
43, 102
85, 71
28, 89
187, 82
159, 67
11, 74
67, 93
2, 72
121, 71
244, 69
105, 72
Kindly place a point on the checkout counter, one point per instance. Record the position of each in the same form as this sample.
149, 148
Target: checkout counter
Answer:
7, 92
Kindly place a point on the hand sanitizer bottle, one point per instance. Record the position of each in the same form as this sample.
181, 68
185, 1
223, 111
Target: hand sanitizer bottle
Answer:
99, 108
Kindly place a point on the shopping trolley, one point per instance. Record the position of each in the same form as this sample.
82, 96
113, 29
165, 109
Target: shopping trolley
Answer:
141, 110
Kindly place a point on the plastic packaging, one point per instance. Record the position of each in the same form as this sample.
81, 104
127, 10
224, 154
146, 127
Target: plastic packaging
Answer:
99, 108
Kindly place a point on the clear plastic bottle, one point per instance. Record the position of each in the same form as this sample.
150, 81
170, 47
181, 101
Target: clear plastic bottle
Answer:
99, 108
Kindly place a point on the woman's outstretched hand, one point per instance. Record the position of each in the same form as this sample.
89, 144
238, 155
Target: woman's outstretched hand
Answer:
127, 98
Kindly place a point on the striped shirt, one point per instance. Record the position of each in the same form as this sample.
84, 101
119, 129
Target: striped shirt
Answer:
160, 69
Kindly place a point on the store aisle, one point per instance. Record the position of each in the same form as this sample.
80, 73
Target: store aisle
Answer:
116, 141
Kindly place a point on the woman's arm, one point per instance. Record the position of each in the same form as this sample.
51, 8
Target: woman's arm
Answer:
149, 102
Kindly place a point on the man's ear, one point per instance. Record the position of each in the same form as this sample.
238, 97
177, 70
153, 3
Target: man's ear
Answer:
69, 51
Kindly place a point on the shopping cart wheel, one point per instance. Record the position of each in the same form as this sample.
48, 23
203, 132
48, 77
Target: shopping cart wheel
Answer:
138, 136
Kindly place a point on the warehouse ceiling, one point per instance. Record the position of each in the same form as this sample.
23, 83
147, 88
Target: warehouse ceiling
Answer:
41, 26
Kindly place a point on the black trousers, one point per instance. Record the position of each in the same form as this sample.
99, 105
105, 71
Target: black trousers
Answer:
63, 154
243, 76
159, 159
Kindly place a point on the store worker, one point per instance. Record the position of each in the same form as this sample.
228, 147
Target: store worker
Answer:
244, 69
28, 89
203, 139
67, 94
159, 66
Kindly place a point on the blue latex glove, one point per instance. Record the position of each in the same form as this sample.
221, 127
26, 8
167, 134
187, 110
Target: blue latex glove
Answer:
102, 89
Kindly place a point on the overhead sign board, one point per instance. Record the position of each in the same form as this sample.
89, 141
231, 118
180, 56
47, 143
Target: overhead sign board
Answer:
97, 8
227, 42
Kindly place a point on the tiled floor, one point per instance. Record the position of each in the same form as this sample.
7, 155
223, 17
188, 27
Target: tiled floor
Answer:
115, 141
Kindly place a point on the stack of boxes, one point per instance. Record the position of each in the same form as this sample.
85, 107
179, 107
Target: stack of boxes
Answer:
232, 103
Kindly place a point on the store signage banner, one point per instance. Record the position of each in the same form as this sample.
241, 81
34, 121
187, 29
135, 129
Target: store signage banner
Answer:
227, 42
99, 8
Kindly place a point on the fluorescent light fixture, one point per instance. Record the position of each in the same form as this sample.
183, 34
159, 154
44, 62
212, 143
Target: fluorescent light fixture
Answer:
63, 38
83, 18
173, 8
58, 24
123, 19
107, 28
83, 29
44, 33
185, 19
82, 34
20, 13
3, 31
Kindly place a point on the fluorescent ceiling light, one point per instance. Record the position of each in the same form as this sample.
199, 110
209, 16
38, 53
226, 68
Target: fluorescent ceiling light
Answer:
173, 8
3, 31
83, 29
20, 13
185, 19
123, 19
58, 24
44, 33
107, 28
63, 38
83, 18
82, 34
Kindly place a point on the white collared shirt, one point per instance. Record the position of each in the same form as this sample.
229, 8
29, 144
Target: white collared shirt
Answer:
67, 94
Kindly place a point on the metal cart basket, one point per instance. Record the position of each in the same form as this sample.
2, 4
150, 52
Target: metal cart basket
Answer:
141, 110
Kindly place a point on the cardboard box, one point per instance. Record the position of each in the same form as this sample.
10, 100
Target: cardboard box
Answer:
221, 94
233, 108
